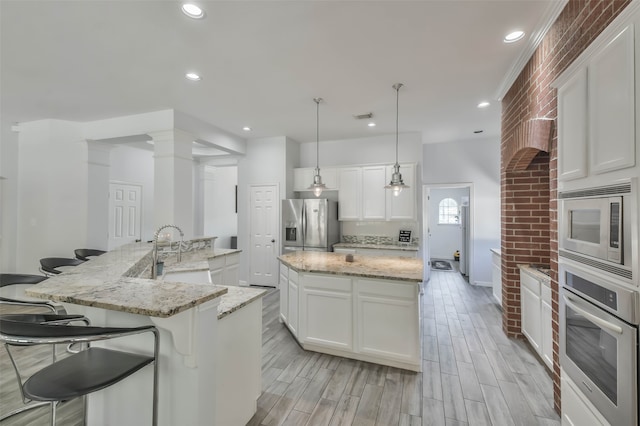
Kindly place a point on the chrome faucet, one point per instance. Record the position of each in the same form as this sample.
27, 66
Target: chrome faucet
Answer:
154, 265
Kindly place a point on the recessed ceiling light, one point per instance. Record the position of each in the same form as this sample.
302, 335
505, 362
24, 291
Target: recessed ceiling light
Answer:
192, 11
483, 104
371, 124
514, 36
246, 128
193, 76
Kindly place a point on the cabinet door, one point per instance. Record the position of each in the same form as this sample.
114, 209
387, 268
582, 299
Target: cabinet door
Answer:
302, 178
547, 334
373, 193
284, 292
387, 319
230, 276
572, 128
217, 276
612, 106
530, 310
349, 193
576, 410
329, 177
292, 302
496, 273
402, 207
326, 311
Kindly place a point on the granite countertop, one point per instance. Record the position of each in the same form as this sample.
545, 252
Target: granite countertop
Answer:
111, 282
408, 247
195, 260
382, 267
539, 272
236, 298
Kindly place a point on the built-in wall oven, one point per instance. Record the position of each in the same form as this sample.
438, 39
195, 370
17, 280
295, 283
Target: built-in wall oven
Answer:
599, 340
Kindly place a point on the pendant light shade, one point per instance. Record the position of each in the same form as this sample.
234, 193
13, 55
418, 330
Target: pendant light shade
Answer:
317, 186
396, 184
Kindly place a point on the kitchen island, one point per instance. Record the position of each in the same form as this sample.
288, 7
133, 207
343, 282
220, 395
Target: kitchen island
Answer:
196, 322
368, 309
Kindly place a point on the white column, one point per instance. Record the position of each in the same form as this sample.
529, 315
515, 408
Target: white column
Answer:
173, 180
99, 160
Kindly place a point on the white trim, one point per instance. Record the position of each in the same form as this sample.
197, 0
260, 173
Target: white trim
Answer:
613, 30
548, 19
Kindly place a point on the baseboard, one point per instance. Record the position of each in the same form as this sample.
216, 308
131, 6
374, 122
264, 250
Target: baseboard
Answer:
483, 283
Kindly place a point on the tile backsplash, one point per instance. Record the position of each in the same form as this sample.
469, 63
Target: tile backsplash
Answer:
377, 232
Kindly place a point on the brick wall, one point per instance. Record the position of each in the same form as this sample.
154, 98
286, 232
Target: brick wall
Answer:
529, 207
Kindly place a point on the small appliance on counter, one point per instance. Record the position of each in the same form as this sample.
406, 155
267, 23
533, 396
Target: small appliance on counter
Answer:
309, 224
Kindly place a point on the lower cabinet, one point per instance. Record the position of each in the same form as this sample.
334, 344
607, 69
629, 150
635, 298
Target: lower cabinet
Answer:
374, 320
224, 269
496, 276
292, 302
283, 285
535, 309
325, 308
387, 319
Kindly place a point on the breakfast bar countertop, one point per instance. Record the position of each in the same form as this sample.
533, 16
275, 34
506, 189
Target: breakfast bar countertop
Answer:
382, 267
111, 281
404, 247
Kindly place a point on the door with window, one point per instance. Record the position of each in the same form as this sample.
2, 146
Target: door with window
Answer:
263, 234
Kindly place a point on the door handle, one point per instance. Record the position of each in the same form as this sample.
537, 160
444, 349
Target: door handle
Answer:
273, 241
599, 321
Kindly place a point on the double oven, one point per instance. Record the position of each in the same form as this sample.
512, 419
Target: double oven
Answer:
600, 297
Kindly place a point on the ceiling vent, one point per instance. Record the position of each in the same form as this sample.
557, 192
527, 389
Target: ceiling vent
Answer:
363, 116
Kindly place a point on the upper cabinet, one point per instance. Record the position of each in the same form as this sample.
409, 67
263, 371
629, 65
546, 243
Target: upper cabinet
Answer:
350, 193
402, 207
597, 113
374, 179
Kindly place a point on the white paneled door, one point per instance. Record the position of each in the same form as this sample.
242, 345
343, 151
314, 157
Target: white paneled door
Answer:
263, 235
125, 205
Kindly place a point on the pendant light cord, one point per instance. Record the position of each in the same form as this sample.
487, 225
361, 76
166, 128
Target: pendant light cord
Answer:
397, 115
317, 133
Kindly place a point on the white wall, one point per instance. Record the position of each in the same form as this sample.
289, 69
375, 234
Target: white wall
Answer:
52, 192
444, 239
476, 162
136, 166
265, 163
220, 217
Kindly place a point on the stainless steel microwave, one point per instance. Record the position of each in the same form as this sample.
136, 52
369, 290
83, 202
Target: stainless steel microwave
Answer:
595, 226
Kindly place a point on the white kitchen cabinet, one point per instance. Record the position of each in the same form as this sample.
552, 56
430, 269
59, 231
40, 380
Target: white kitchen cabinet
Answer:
577, 410
597, 114
535, 299
402, 207
496, 276
325, 311
572, 128
373, 193
303, 177
224, 269
292, 302
546, 329
611, 103
387, 318
350, 193
283, 286
530, 309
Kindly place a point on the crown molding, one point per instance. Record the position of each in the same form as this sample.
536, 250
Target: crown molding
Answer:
548, 19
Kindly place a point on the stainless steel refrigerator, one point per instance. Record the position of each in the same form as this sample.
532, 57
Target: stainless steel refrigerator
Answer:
309, 224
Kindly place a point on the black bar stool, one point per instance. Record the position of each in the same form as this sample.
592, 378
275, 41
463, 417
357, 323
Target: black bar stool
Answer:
84, 254
15, 279
48, 265
81, 373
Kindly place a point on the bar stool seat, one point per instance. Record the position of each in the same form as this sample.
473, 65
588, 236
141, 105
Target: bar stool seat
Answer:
81, 373
49, 265
85, 254
29, 279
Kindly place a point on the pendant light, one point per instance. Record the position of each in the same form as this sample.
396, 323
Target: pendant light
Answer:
396, 184
317, 186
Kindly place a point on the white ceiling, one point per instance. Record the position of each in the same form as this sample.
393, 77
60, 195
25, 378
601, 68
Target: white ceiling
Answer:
263, 62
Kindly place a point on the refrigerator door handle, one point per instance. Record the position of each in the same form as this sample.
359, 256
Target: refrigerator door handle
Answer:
304, 225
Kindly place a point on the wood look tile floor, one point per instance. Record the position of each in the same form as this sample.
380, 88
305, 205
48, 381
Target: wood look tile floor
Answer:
472, 374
